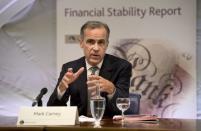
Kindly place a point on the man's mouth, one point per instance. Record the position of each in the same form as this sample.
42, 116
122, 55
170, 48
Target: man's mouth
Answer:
95, 56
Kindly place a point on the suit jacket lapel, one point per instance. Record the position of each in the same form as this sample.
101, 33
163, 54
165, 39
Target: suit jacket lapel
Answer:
106, 69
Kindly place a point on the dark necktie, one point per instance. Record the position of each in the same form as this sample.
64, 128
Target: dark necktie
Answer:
93, 70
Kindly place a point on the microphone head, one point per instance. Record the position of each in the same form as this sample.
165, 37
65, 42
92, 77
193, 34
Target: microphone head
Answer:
43, 91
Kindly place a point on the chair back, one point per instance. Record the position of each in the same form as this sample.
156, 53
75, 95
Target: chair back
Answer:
134, 104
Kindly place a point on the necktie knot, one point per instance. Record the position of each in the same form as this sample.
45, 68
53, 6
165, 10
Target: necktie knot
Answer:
93, 70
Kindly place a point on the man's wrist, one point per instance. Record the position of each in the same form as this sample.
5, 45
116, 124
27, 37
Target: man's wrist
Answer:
110, 95
60, 92
62, 88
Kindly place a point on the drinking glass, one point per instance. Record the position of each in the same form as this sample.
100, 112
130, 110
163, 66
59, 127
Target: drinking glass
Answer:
123, 104
97, 106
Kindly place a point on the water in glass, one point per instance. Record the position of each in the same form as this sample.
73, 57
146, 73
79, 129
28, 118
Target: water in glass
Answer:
123, 104
97, 106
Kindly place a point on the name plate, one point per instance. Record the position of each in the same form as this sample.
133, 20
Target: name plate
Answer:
48, 116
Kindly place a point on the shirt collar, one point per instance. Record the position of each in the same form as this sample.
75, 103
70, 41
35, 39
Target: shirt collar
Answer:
89, 66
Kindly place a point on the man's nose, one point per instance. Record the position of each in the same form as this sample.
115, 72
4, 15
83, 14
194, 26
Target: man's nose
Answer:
96, 47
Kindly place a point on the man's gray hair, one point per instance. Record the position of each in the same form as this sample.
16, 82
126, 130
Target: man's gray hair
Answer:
93, 25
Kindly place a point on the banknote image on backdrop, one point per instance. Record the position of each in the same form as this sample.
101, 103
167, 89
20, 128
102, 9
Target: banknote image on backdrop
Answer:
157, 74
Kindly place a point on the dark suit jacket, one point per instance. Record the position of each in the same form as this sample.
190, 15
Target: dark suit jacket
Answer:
114, 69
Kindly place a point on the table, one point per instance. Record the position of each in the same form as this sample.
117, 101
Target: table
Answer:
163, 124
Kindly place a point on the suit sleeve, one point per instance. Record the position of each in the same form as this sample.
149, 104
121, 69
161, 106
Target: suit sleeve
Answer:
122, 84
53, 100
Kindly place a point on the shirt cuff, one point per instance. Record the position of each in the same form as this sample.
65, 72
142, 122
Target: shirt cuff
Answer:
109, 96
59, 93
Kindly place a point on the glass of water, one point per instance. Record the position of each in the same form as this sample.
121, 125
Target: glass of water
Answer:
97, 106
123, 104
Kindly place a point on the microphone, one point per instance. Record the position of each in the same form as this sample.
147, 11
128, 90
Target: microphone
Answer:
38, 100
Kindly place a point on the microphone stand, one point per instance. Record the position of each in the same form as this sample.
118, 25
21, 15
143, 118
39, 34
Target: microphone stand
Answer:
38, 99
40, 103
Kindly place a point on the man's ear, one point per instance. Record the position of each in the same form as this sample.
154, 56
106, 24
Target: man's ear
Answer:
107, 43
81, 42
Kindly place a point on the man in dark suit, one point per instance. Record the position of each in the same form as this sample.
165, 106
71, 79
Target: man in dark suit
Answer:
113, 74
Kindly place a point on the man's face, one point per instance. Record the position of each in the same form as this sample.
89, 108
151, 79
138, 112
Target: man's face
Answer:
94, 45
